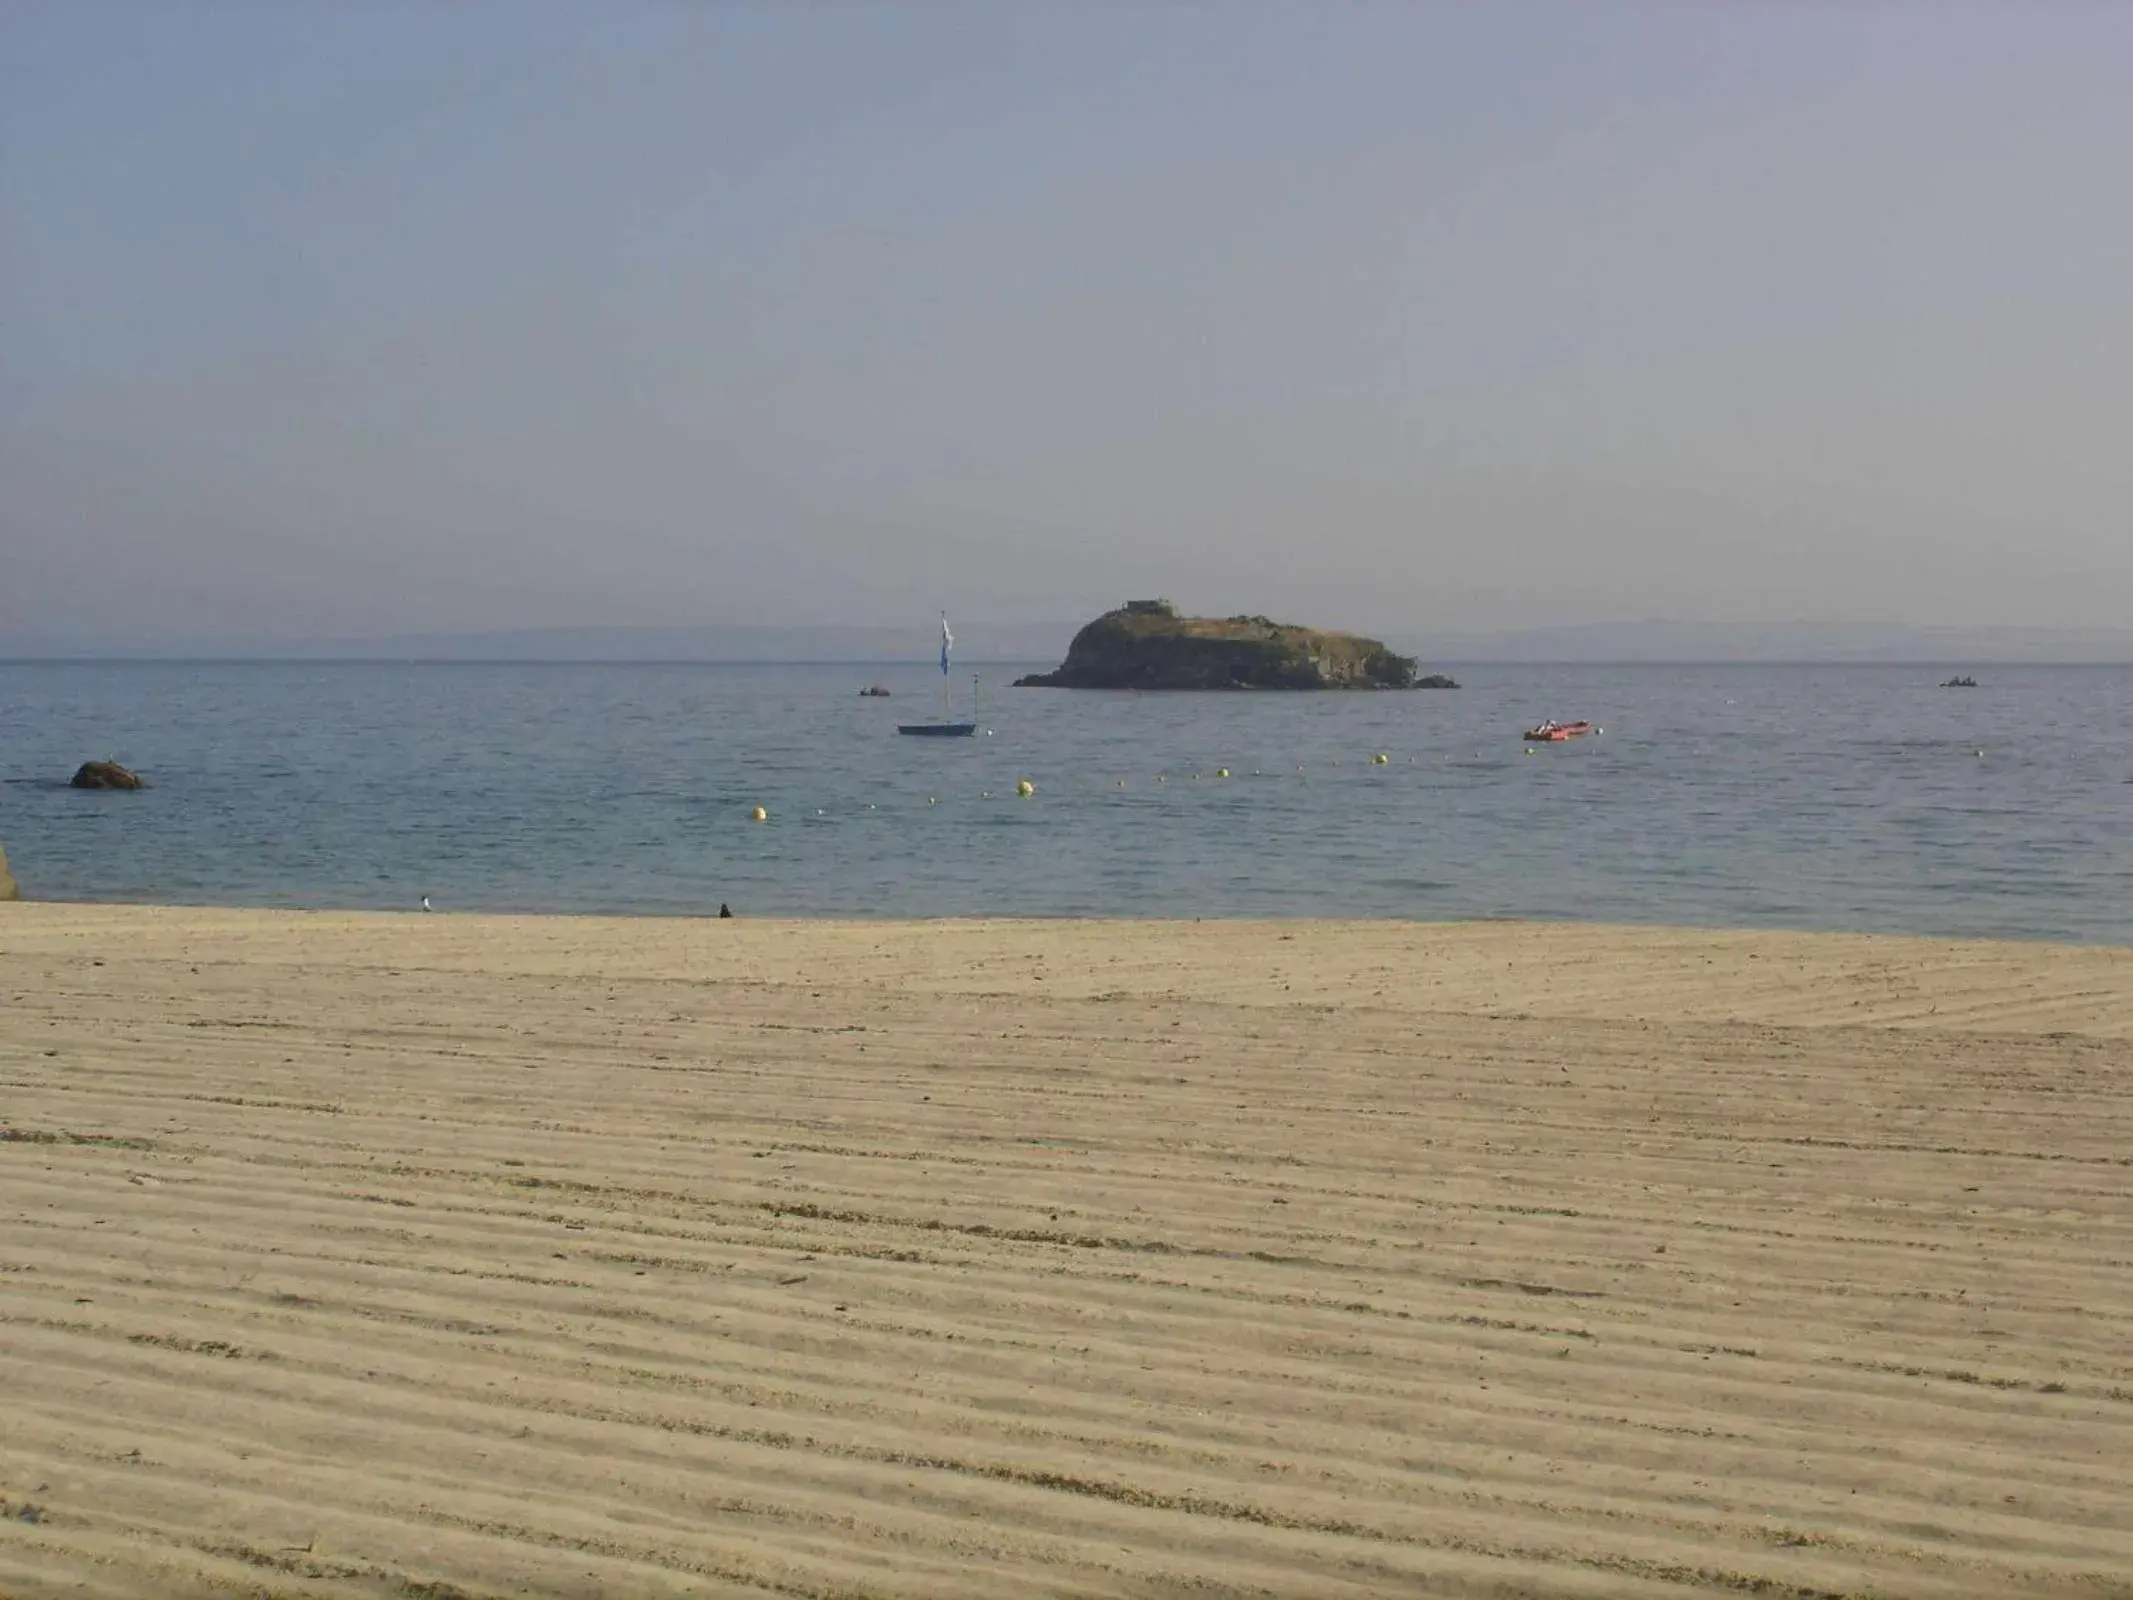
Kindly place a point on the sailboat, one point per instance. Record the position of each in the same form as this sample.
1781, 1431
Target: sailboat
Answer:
947, 727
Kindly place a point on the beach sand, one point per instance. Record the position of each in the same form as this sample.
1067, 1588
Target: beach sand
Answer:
456, 1256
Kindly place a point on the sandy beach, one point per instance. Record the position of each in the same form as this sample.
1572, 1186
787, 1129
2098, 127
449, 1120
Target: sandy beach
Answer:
450, 1257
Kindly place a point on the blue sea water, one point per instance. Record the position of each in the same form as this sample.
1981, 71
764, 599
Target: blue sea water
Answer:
1810, 797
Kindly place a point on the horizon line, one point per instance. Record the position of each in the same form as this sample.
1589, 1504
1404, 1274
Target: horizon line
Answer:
1923, 662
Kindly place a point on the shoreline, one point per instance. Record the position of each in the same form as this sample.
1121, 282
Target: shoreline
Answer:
2026, 941
558, 1255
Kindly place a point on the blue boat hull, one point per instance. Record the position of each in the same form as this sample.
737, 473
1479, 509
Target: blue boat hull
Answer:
940, 730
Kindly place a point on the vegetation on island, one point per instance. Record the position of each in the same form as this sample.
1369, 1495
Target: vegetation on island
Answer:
1146, 644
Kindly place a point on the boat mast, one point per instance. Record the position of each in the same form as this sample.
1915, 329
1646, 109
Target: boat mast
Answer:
947, 640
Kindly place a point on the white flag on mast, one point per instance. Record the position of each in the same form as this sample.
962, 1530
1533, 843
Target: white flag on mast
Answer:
947, 639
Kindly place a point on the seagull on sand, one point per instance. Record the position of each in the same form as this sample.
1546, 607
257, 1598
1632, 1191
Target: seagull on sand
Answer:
426, 903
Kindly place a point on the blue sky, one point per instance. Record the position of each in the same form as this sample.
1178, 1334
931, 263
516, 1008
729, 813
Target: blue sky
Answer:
368, 319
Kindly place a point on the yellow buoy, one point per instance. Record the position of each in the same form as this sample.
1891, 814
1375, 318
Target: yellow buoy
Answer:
759, 815
1025, 788
1379, 759
1221, 772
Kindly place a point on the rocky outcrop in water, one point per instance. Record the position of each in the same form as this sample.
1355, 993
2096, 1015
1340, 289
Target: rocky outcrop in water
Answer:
1145, 644
106, 775
1436, 680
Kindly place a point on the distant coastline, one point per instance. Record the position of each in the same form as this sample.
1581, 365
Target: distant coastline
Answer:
993, 666
1594, 644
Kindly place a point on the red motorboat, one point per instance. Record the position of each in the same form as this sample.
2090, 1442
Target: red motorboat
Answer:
1552, 732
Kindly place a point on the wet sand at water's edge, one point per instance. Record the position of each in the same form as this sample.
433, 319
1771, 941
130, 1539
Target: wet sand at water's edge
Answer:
359, 1255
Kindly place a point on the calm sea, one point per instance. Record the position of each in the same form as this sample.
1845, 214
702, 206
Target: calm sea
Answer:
1808, 797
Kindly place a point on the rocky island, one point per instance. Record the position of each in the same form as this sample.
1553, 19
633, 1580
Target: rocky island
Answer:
1145, 644
105, 775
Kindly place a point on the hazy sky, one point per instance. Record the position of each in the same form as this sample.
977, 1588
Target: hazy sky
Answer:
366, 318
